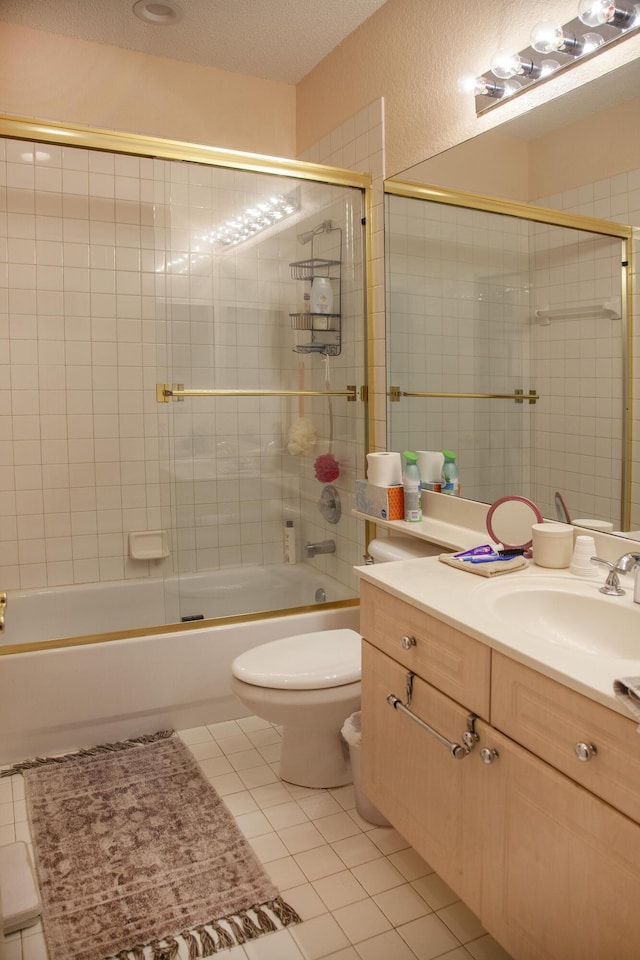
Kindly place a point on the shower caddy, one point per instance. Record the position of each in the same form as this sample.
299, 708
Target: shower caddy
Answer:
324, 329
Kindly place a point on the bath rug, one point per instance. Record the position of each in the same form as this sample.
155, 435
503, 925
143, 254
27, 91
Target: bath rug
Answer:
138, 858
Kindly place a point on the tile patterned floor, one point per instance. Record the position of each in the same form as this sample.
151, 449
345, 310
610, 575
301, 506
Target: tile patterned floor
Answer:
362, 892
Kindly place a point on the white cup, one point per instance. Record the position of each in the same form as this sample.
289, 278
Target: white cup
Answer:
552, 544
584, 549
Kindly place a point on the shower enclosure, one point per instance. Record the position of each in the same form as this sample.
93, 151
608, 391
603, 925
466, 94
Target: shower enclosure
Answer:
172, 409
508, 333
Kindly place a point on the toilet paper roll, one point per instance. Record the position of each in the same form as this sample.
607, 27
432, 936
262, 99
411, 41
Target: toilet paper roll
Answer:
384, 469
430, 464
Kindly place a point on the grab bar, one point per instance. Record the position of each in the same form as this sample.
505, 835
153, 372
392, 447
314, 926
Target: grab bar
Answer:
457, 750
396, 394
165, 392
3, 607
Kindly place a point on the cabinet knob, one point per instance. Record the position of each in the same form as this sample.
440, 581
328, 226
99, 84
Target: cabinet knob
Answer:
407, 642
585, 751
489, 754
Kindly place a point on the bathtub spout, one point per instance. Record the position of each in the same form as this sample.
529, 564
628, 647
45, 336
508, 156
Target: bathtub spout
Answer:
3, 607
324, 546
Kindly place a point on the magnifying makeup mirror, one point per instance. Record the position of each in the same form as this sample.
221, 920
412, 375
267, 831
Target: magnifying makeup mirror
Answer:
509, 522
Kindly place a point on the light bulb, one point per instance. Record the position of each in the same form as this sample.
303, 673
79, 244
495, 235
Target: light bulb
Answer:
591, 42
505, 65
616, 13
547, 67
471, 85
548, 37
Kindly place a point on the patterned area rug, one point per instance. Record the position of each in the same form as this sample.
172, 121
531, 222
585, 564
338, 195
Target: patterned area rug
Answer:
139, 858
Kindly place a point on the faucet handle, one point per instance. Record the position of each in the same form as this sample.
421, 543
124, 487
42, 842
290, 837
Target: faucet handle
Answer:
611, 587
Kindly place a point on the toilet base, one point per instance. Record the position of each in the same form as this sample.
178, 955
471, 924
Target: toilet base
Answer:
314, 753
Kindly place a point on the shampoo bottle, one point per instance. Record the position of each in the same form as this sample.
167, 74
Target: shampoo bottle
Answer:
450, 478
411, 487
289, 542
321, 295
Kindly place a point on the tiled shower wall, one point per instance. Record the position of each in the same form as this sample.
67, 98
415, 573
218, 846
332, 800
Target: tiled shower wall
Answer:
103, 294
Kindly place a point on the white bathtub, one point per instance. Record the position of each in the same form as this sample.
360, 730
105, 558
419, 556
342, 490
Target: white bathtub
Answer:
56, 700
86, 609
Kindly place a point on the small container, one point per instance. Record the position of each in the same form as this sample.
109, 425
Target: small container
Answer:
552, 544
289, 542
584, 549
321, 295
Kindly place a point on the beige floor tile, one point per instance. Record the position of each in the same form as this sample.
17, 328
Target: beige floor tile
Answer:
410, 864
303, 836
273, 946
361, 920
227, 728
360, 822
271, 794
378, 875
262, 738
462, 922
402, 904
241, 802
234, 744
245, 759
305, 901
6, 792
285, 873
486, 948
195, 735
435, 891
388, 840
340, 889
6, 814
215, 766
319, 937
319, 862
355, 850
17, 787
322, 804
33, 948
386, 946
257, 776
227, 783
286, 815
251, 724
349, 953
270, 753
205, 749
428, 937
337, 827
346, 796
254, 824
268, 847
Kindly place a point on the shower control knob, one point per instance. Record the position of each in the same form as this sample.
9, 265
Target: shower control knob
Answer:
585, 751
407, 642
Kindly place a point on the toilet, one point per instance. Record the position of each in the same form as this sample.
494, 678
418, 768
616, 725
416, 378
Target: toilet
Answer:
309, 684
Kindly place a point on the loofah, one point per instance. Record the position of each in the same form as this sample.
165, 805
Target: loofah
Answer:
302, 437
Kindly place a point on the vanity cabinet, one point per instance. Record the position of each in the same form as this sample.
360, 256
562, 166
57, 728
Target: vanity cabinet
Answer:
544, 848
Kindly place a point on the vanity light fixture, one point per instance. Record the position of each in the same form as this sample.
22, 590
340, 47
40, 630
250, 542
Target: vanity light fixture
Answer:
554, 47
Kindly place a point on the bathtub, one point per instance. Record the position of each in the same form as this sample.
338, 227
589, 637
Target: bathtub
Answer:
57, 698
85, 609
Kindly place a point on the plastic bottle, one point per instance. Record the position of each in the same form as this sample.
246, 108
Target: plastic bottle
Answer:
411, 486
321, 295
450, 476
289, 542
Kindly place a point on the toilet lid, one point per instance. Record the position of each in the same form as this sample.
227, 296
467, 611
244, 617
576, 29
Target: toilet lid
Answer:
308, 661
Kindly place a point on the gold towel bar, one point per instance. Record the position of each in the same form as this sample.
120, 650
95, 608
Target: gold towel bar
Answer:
165, 392
396, 394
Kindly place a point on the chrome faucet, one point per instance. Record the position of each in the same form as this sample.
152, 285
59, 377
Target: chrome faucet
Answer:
3, 607
324, 546
624, 564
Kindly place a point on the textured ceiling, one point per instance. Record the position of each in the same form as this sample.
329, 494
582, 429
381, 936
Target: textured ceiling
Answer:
273, 39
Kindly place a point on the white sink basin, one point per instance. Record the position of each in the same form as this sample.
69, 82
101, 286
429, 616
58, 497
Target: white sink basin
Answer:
576, 617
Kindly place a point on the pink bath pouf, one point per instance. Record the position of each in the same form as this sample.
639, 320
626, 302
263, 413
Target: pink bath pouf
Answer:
326, 468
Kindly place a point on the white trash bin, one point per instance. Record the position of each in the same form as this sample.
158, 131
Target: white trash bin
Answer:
352, 733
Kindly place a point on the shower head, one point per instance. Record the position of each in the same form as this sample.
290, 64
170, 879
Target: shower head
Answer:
324, 227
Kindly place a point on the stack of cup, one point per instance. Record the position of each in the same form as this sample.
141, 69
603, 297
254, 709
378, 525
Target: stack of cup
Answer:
581, 565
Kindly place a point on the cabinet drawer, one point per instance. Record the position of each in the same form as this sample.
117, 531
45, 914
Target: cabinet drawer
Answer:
550, 719
447, 659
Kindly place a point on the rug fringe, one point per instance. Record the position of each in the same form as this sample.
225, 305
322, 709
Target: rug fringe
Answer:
216, 935
88, 752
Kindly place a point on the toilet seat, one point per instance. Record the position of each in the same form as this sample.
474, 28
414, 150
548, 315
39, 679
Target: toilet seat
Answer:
308, 661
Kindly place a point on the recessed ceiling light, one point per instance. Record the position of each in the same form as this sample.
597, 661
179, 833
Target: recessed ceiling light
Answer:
159, 12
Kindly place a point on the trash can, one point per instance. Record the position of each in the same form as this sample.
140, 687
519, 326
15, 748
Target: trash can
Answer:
352, 733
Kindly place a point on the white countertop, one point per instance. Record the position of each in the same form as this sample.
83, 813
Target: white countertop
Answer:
460, 599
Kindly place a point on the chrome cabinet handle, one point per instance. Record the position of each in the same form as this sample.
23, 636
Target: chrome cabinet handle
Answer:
407, 642
489, 754
457, 750
585, 751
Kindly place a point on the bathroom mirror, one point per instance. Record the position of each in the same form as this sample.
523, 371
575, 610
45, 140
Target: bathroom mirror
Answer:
477, 284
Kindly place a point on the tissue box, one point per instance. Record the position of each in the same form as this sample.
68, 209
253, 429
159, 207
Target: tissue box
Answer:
384, 503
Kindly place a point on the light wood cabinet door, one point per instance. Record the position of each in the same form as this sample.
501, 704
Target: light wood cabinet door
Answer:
430, 798
561, 867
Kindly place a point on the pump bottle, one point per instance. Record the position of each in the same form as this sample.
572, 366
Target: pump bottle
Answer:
450, 476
